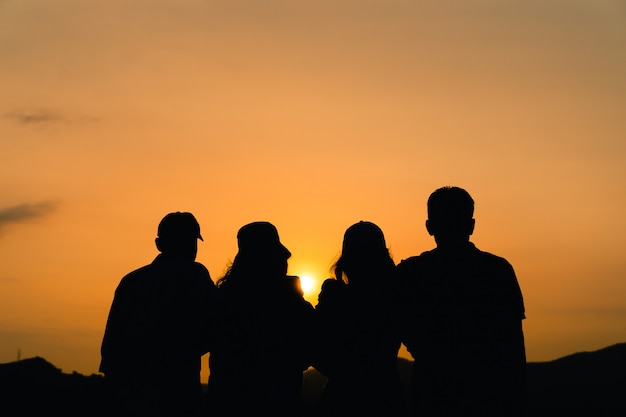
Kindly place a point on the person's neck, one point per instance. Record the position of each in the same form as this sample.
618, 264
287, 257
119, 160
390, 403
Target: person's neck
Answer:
453, 245
179, 256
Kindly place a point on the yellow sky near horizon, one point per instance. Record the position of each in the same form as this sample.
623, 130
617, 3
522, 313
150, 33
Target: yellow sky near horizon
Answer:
311, 115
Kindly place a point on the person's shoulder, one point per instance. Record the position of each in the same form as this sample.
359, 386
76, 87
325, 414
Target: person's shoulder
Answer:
292, 295
202, 278
294, 285
289, 287
414, 261
333, 288
492, 258
495, 265
134, 280
200, 269
138, 273
332, 284
331, 292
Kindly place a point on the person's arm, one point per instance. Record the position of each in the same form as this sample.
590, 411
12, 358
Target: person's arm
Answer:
326, 327
114, 331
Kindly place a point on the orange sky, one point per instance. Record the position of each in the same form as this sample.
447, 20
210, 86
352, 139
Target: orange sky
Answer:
312, 115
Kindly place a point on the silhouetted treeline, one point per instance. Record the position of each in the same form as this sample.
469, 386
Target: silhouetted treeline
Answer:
582, 384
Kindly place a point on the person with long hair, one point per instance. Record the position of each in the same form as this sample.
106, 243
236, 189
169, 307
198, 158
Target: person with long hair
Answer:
261, 348
356, 342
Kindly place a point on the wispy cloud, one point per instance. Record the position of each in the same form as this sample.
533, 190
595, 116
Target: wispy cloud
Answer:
46, 118
25, 212
37, 117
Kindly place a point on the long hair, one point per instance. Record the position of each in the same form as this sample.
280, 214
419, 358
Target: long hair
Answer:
252, 270
364, 256
261, 256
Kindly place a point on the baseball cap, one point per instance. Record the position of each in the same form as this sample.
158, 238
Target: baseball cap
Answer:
179, 225
260, 237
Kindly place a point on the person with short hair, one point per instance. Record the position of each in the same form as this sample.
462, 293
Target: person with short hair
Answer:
157, 328
462, 320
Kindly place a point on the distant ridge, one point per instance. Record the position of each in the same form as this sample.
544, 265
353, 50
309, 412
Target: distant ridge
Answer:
582, 384
34, 387
30, 369
589, 384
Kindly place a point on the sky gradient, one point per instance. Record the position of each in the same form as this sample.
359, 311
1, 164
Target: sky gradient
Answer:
312, 115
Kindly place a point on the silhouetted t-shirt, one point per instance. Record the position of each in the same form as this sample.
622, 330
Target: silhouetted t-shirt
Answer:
262, 349
156, 332
462, 324
357, 348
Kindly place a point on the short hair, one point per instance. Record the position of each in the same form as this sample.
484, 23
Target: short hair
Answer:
450, 202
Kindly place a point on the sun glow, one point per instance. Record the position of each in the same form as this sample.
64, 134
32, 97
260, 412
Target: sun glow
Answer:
307, 283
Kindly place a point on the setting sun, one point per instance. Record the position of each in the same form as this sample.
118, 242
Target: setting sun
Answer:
307, 282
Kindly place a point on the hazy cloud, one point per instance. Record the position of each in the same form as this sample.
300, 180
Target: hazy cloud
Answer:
46, 118
25, 212
33, 117
4, 280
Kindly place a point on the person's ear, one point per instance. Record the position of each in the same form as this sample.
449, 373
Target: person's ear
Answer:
430, 227
157, 242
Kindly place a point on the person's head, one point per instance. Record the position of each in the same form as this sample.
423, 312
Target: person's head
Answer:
178, 235
450, 215
260, 252
364, 254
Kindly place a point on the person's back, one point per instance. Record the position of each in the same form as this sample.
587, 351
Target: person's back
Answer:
357, 343
262, 349
463, 312
157, 328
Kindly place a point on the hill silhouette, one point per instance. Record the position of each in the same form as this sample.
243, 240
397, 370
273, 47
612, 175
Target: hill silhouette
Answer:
581, 384
32, 387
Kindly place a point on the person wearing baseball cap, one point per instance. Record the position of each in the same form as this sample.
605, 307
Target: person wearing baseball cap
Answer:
158, 327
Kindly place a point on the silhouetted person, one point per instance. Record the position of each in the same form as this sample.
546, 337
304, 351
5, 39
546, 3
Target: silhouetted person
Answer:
157, 328
463, 320
357, 341
257, 365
